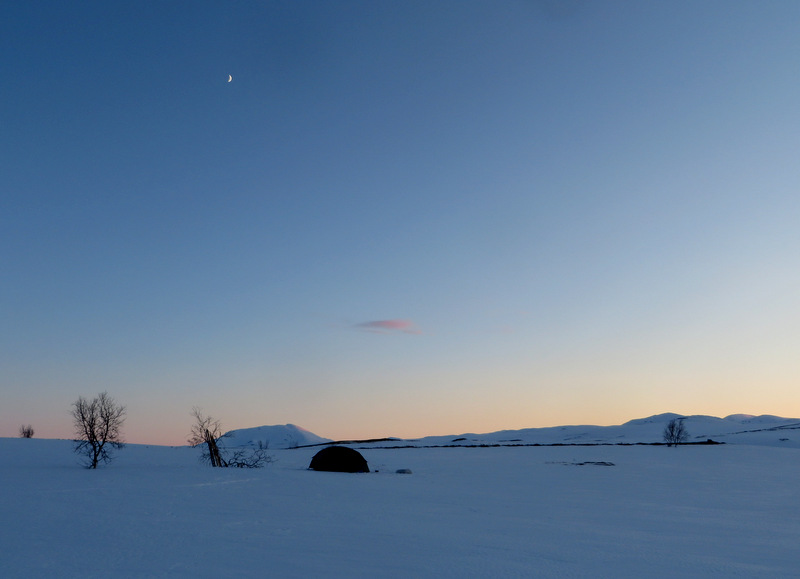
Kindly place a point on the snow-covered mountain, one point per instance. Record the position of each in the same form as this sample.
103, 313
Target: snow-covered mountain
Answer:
765, 430
277, 436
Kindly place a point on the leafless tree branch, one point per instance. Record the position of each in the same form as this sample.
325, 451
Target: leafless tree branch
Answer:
205, 433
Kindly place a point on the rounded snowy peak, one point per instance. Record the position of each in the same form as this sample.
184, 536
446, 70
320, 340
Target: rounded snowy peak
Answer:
752, 419
276, 436
655, 419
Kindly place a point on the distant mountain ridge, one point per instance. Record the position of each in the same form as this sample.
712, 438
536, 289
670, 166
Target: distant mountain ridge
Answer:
764, 430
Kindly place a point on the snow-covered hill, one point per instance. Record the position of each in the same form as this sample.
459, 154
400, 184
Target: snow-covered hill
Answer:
765, 430
277, 436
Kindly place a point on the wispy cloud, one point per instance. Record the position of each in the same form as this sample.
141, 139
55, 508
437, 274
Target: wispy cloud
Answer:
389, 327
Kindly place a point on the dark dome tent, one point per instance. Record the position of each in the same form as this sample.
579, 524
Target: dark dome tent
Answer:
339, 459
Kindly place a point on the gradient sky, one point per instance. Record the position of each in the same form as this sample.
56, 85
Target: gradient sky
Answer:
400, 218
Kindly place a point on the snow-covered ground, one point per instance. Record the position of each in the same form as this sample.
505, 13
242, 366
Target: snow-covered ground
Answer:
731, 510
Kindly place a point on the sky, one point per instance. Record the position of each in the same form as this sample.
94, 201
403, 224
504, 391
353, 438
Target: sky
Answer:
398, 218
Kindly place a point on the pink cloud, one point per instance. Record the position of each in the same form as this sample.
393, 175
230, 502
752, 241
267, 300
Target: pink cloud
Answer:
389, 327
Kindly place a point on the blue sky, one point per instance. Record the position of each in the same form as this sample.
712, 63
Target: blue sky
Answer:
399, 218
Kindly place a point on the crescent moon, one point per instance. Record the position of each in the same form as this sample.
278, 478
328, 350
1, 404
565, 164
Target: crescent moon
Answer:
230, 78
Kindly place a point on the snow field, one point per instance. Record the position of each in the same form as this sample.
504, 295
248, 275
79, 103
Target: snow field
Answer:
704, 511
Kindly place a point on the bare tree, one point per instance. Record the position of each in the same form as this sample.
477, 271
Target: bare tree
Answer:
206, 431
675, 432
26, 431
98, 425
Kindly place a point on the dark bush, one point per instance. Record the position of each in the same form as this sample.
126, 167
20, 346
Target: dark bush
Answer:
339, 459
